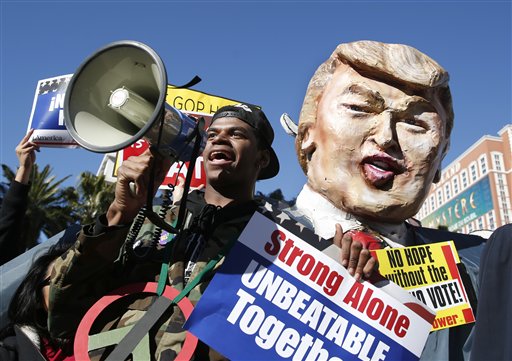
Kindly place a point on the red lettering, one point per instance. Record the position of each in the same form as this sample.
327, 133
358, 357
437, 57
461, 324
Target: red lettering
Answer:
320, 273
274, 247
354, 294
402, 325
390, 314
365, 300
296, 252
306, 264
287, 246
375, 309
445, 321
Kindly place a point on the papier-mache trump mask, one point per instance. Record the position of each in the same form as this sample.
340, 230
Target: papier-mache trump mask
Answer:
373, 129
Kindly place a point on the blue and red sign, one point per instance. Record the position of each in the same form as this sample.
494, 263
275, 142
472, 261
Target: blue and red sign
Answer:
47, 117
277, 296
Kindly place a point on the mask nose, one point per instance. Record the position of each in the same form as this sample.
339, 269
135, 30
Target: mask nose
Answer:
385, 131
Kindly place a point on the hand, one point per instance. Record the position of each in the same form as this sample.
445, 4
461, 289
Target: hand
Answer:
354, 256
179, 188
135, 170
25, 151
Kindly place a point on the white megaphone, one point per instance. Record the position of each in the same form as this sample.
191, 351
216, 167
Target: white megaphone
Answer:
117, 96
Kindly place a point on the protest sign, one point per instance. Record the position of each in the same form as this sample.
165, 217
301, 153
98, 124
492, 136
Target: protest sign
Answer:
430, 273
278, 296
47, 116
193, 103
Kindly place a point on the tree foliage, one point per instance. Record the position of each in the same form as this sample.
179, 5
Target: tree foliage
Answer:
94, 195
52, 208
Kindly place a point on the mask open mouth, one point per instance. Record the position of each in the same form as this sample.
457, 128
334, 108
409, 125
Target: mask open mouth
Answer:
380, 170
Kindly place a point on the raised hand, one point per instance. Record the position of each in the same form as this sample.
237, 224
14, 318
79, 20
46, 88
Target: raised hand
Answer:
26, 153
355, 253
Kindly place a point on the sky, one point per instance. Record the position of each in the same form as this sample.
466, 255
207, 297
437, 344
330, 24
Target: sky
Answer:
261, 52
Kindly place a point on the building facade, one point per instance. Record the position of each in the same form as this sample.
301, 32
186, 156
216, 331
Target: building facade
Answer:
475, 190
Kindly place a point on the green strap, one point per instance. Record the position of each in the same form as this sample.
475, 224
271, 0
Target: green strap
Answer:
204, 271
162, 280
156, 310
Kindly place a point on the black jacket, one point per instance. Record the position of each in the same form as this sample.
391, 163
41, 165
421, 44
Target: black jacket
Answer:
12, 212
19, 347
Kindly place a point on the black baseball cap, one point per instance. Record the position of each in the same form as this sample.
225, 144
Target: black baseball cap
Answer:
256, 119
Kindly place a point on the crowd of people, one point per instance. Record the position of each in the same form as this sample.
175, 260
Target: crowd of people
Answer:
373, 130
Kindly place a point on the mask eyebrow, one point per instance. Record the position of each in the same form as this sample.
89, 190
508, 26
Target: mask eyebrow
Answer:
417, 102
371, 96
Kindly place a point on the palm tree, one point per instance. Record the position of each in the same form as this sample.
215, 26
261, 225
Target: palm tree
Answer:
48, 209
94, 197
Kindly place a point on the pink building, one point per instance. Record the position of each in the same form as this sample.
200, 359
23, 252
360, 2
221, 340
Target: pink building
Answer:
475, 189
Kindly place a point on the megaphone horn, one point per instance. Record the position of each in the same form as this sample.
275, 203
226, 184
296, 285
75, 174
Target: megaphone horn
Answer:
117, 96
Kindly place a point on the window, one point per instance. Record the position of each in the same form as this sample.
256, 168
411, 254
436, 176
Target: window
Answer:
497, 161
447, 191
470, 227
432, 203
472, 170
455, 185
480, 223
483, 165
490, 218
439, 198
464, 176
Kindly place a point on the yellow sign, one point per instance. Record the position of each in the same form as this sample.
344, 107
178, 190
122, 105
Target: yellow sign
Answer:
430, 273
193, 101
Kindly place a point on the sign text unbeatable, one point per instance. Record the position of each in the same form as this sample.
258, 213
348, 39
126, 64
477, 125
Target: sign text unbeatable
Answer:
288, 342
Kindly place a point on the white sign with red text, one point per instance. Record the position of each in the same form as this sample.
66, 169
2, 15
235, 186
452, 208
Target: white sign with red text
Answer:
277, 296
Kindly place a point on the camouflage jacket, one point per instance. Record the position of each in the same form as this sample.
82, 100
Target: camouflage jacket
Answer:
98, 264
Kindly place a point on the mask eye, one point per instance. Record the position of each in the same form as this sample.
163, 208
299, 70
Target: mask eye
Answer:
415, 124
357, 109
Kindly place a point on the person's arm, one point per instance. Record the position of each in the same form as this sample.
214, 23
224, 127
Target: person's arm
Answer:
82, 276
86, 272
15, 202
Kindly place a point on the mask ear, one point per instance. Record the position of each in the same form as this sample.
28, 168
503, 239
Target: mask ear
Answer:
308, 145
437, 176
